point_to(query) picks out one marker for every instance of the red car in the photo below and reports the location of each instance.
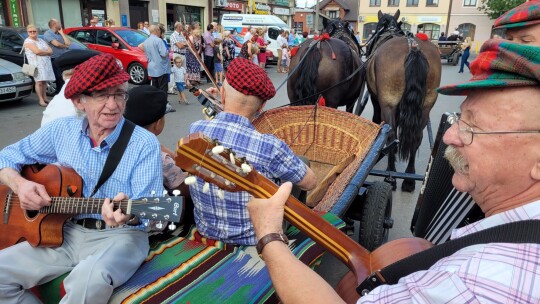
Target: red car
(121, 42)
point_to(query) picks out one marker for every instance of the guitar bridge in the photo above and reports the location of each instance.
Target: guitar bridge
(7, 207)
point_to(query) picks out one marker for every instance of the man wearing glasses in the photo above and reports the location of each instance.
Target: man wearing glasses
(102, 251)
(494, 148)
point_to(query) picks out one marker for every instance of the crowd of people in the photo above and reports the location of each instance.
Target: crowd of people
(493, 148)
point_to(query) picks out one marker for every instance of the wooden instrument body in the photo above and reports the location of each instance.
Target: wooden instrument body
(44, 230)
(195, 155)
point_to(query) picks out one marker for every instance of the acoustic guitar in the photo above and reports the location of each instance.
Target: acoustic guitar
(206, 158)
(43, 227)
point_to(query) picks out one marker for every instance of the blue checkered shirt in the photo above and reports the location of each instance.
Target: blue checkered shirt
(228, 220)
(67, 142)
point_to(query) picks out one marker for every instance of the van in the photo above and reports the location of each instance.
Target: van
(240, 23)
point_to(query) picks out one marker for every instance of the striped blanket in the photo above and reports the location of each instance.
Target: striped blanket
(184, 270)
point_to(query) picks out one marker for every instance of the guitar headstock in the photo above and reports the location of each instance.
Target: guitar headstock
(206, 158)
(170, 209)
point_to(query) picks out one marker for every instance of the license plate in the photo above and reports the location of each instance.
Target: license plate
(8, 90)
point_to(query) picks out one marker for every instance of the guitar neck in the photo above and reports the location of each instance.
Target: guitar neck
(78, 205)
(349, 252)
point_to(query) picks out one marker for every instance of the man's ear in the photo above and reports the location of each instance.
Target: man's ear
(535, 172)
(78, 103)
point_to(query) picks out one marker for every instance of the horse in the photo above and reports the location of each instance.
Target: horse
(331, 66)
(403, 73)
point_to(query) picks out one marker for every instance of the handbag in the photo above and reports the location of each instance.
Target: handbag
(27, 68)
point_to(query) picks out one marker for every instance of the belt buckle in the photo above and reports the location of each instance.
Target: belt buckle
(98, 224)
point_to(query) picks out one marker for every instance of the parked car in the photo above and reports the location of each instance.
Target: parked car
(14, 85)
(121, 42)
(11, 43)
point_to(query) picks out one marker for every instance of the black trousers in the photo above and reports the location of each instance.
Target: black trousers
(209, 63)
(161, 82)
(58, 77)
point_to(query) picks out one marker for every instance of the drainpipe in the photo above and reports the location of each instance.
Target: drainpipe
(210, 12)
(448, 18)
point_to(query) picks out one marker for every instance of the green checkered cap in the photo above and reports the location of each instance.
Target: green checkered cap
(500, 64)
(525, 14)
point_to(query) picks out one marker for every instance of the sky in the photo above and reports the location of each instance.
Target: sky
(305, 3)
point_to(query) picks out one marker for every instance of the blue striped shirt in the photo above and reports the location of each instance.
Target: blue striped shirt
(157, 55)
(66, 141)
(228, 220)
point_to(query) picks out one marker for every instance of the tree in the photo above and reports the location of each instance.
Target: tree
(495, 8)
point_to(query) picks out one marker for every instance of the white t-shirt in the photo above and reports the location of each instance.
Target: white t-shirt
(178, 73)
(58, 107)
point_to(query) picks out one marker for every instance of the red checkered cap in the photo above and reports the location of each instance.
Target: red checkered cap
(96, 74)
(250, 79)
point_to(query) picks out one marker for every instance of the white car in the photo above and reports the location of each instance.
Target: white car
(14, 85)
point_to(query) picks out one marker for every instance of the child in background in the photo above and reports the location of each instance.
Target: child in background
(218, 61)
(285, 58)
(179, 73)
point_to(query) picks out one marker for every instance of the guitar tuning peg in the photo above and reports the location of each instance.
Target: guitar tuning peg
(172, 226)
(165, 193)
(218, 149)
(190, 180)
(176, 192)
(159, 225)
(206, 187)
(246, 168)
(220, 194)
(231, 155)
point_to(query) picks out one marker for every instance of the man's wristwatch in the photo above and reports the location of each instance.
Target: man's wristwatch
(270, 238)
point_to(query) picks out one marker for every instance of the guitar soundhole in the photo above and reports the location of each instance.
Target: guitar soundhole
(30, 214)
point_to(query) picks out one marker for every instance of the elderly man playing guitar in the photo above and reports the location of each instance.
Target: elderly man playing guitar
(494, 148)
(102, 251)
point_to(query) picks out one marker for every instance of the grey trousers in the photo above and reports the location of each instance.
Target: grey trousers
(99, 261)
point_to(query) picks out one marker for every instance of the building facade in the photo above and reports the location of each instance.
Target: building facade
(129, 12)
(428, 16)
(470, 22)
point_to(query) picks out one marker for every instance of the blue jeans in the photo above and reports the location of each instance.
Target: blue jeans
(465, 59)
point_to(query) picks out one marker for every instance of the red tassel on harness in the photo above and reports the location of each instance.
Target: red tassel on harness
(321, 101)
(294, 51)
(322, 37)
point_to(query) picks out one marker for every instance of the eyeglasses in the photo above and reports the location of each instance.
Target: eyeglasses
(104, 97)
(466, 132)
(32, 31)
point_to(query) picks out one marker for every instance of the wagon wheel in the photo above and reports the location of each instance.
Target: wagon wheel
(455, 59)
(376, 221)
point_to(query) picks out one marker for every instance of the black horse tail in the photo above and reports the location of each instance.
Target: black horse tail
(306, 83)
(409, 114)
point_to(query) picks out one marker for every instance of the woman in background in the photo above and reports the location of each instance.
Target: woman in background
(193, 66)
(38, 52)
(466, 47)
(228, 50)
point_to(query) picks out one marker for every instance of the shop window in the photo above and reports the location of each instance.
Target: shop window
(467, 30)
(469, 2)
(374, 2)
(431, 30)
(332, 14)
(393, 2)
(432, 2)
(412, 2)
(369, 30)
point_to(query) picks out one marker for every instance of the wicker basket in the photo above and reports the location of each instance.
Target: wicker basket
(334, 141)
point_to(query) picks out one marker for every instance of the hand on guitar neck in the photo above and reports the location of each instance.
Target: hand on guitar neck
(114, 218)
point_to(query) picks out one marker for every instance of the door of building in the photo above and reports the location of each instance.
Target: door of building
(138, 12)
(89, 8)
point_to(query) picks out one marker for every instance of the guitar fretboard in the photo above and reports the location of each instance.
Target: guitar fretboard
(76, 205)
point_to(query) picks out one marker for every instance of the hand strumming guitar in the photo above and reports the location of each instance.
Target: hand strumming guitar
(32, 196)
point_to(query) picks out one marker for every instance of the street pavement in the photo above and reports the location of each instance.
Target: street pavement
(18, 119)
